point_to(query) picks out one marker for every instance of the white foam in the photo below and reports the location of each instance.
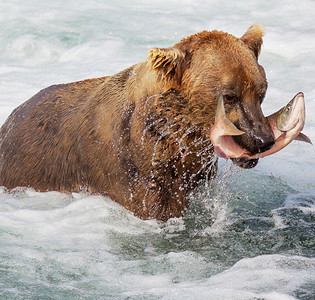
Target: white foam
(83, 246)
(269, 277)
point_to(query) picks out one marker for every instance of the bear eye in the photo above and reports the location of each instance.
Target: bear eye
(230, 98)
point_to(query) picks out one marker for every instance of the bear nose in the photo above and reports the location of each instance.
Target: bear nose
(264, 142)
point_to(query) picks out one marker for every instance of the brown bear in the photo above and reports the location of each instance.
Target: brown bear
(141, 136)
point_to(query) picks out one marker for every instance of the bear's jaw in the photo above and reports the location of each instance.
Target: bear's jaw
(245, 163)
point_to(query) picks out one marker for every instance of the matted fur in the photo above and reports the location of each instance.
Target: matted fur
(140, 136)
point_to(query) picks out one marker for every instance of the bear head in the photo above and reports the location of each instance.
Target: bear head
(210, 65)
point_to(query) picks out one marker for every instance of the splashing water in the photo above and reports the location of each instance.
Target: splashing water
(89, 246)
(247, 234)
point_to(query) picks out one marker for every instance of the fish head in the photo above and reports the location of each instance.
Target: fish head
(289, 116)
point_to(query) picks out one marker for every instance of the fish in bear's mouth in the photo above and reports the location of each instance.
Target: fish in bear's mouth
(286, 125)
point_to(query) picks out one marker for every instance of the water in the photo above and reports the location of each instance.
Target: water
(250, 235)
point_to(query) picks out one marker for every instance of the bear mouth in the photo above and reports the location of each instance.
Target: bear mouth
(291, 117)
(245, 163)
(228, 148)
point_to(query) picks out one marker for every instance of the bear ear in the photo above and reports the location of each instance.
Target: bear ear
(167, 61)
(253, 38)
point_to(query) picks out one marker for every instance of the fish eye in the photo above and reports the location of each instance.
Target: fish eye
(286, 110)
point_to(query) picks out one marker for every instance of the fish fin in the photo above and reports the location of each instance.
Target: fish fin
(303, 138)
(228, 127)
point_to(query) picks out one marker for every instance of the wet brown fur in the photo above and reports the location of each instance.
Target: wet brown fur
(140, 136)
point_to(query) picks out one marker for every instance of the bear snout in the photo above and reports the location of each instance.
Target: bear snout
(263, 143)
(255, 142)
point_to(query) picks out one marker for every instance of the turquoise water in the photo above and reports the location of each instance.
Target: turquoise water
(248, 235)
(254, 242)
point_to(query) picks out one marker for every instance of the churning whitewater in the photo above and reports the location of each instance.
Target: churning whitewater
(248, 234)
